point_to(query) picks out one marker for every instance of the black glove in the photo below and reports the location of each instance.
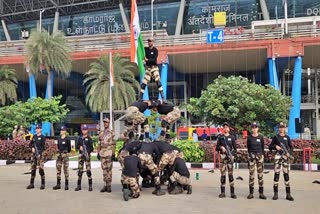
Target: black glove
(98, 156)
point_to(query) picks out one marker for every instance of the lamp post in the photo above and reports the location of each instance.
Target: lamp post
(152, 18)
(40, 23)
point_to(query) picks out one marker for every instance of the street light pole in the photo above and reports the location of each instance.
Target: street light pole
(286, 16)
(40, 23)
(151, 18)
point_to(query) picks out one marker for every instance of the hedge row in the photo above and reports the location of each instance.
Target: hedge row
(20, 150)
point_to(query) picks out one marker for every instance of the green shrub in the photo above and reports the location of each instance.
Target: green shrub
(191, 150)
(119, 146)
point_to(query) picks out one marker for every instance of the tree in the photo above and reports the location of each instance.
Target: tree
(8, 85)
(239, 102)
(33, 111)
(50, 53)
(97, 81)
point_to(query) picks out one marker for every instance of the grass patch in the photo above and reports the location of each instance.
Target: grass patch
(314, 160)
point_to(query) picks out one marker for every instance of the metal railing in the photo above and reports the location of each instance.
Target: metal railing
(122, 40)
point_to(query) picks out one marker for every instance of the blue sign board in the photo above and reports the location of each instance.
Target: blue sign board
(215, 36)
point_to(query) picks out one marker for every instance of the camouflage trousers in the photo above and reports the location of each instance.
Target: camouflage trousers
(256, 161)
(134, 115)
(176, 177)
(169, 158)
(132, 183)
(124, 153)
(281, 160)
(37, 162)
(225, 165)
(173, 115)
(106, 165)
(151, 72)
(147, 161)
(63, 159)
(81, 163)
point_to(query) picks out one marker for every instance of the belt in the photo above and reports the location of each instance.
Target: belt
(106, 146)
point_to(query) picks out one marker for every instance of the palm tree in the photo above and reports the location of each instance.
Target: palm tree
(50, 53)
(8, 85)
(97, 81)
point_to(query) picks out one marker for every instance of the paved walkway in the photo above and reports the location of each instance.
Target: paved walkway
(14, 198)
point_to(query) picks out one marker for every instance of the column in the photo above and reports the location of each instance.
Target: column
(296, 97)
(5, 30)
(264, 10)
(180, 17)
(56, 21)
(273, 75)
(124, 18)
(46, 126)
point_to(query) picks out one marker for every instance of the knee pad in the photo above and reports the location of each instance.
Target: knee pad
(41, 172)
(286, 176)
(223, 179)
(131, 135)
(230, 178)
(145, 122)
(143, 85)
(33, 172)
(276, 176)
(80, 173)
(89, 173)
(164, 124)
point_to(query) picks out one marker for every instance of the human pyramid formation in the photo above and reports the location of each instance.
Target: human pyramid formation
(159, 162)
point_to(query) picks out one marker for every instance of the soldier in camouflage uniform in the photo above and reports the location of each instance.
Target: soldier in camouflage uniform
(64, 148)
(152, 69)
(85, 147)
(135, 117)
(226, 142)
(106, 149)
(168, 153)
(37, 144)
(180, 177)
(128, 149)
(129, 181)
(170, 114)
(255, 145)
(282, 144)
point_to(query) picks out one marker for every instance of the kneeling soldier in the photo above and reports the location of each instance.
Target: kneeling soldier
(85, 146)
(131, 188)
(64, 148)
(255, 145)
(180, 177)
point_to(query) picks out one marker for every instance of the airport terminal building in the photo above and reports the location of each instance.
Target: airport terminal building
(260, 43)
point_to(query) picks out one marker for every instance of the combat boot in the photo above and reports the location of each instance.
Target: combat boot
(58, 186)
(275, 196)
(104, 189)
(289, 197)
(158, 191)
(90, 184)
(174, 189)
(188, 188)
(78, 188)
(108, 189)
(66, 186)
(222, 194)
(180, 188)
(126, 192)
(261, 195)
(232, 192)
(250, 196)
(42, 183)
(31, 185)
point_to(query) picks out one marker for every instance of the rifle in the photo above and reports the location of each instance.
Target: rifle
(229, 154)
(85, 151)
(285, 150)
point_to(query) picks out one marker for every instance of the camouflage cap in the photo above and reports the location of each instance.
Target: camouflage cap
(106, 120)
(282, 125)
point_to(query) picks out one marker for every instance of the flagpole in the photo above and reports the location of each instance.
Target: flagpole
(286, 16)
(151, 18)
(110, 92)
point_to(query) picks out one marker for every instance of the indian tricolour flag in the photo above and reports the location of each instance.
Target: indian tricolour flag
(137, 46)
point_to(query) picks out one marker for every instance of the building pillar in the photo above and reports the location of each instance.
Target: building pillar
(296, 97)
(317, 120)
(180, 17)
(124, 18)
(264, 10)
(56, 21)
(273, 76)
(5, 30)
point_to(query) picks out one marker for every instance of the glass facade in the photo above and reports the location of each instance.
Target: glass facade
(198, 16)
